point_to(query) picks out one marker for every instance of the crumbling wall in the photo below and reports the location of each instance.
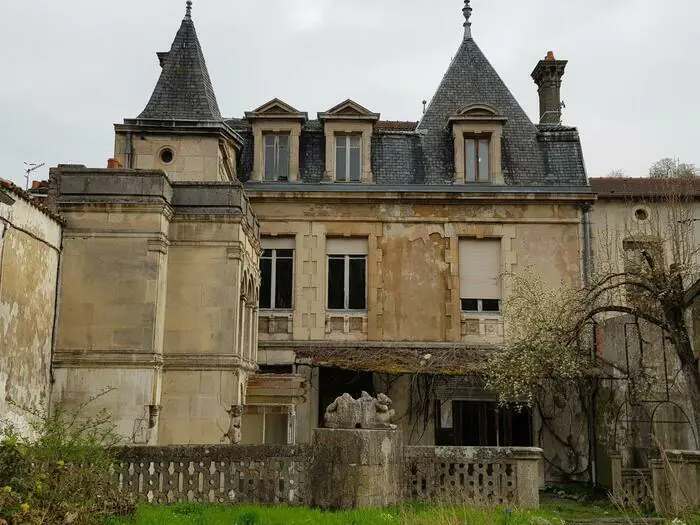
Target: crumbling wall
(30, 242)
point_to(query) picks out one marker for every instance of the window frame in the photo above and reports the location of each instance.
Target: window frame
(276, 157)
(346, 281)
(477, 139)
(273, 277)
(348, 149)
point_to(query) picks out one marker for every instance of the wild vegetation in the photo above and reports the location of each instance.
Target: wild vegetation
(62, 473)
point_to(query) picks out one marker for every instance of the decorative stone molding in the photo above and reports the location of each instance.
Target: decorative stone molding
(365, 412)
(106, 359)
(347, 326)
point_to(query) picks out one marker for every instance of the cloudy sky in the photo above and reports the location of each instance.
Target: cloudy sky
(73, 68)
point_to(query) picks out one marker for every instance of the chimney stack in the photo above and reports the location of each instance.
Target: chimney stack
(547, 75)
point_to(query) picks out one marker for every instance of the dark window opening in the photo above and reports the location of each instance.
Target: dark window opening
(167, 156)
(334, 382)
(347, 282)
(481, 305)
(275, 369)
(482, 424)
(277, 279)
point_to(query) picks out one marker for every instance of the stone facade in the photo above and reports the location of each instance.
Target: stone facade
(159, 301)
(30, 244)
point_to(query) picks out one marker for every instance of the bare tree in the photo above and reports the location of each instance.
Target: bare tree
(643, 266)
(668, 168)
(617, 173)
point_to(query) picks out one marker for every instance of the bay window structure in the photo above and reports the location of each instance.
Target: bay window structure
(480, 275)
(277, 156)
(477, 158)
(277, 274)
(347, 274)
(348, 153)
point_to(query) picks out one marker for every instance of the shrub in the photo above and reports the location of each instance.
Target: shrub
(63, 474)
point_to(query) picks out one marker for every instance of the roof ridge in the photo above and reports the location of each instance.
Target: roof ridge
(184, 89)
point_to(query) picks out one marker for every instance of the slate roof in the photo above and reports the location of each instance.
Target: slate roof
(531, 155)
(403, 153)
(184, 90)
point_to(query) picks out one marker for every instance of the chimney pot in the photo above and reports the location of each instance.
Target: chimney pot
(550, 56)
(113, 164)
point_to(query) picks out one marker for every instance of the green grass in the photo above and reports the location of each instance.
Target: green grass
(197, 514)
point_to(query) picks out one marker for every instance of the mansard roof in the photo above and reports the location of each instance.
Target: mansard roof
(184, 90)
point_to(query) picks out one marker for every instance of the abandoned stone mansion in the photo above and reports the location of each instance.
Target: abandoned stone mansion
(225, 279)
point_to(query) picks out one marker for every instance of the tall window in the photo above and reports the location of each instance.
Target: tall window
(347, 158)
(479, 275)
(276, 156)
(347, 274)
(277, 274)
(477, 158)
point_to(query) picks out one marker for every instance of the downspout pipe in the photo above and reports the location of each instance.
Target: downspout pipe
(592, 416)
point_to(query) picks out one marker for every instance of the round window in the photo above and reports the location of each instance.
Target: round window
(641, 214)
(166, 156)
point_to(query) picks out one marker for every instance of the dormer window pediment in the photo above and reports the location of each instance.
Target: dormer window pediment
(348, 110)
(478, 113)
(276, 109)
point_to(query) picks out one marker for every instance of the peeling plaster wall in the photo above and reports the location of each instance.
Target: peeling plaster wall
(28, 270)
(413, 273)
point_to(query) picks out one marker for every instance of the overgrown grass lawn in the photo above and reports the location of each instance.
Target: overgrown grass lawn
(196, 514)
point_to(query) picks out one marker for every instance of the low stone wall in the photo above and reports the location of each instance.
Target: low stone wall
(261, 474)
(474, 475)
(671, 486)
(304, 475)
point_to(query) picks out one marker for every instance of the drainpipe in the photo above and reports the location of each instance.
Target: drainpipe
(129, 151)
(587, 260)
(57, 305)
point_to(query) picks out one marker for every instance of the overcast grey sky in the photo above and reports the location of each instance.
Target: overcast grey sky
(73, 68)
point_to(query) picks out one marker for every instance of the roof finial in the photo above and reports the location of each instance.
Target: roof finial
(467, 11)
(188, 13)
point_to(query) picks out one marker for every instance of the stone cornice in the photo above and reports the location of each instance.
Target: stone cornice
(105, 359)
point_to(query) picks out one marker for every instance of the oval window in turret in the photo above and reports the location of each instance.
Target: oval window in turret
(166, 155)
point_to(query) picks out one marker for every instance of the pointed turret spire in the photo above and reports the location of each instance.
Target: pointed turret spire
(184, 90)
(467, 12)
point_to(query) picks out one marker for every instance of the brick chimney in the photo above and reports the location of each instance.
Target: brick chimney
(547, 75)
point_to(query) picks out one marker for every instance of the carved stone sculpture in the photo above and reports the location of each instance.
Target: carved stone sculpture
(366, 412)
(234, 431)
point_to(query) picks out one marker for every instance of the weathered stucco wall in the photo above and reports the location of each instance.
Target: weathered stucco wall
(30, 242)
(413, 281)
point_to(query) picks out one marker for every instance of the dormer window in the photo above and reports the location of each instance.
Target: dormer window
(348, 128)
(277, 156)
(348, 158)
(477, 130)
(276, 134)
(477, 158)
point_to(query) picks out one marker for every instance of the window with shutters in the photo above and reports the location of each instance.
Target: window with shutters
(277, 274)
(347, 274)
(348, 153)
(480, 275)
(477, 158)
(276, 156)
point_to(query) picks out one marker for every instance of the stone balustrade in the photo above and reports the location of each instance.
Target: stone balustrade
(473, 475)
(283, 474)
